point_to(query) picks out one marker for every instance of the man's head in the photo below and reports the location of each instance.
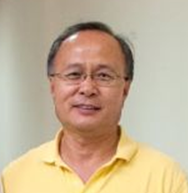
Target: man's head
(128, 55)
(89, 78)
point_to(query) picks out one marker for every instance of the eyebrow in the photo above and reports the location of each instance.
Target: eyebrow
(73, 65)
(105, 67)
(99, 66)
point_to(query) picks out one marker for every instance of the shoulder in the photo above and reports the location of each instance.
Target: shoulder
(160, 169)
(151, 156)
(30, 158)
(154, 156)
(146, 159)
(157, 162)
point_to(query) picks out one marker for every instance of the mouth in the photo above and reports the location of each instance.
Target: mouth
(87, 107)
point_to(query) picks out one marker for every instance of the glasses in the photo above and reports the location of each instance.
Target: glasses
(103, 79)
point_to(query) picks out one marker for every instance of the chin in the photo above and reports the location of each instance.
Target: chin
(85, 125)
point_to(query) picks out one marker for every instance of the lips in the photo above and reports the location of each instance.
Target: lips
(87, 107)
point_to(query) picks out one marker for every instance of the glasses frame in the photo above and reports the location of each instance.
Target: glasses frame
(84, 76)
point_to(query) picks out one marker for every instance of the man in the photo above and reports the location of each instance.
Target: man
(90, 71)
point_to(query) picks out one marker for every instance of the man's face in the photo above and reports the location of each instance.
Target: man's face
(87, 105)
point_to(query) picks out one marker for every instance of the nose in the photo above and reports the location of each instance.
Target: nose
(88, 87)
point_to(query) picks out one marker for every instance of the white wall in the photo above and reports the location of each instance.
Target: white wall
(157, 109)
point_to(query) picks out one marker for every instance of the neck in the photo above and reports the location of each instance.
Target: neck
(85, 154)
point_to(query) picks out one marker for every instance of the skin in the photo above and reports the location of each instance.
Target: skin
(89, 113)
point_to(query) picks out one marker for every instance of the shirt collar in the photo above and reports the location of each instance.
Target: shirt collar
(51, 153)
(126, 149)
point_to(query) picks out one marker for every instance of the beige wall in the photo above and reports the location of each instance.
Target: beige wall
(156, 111)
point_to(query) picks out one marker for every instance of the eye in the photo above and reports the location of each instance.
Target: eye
(104, 76)
(75, 75)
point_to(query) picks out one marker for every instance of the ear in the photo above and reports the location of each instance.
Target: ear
(52, 86)
(126, 88)
(126, 91)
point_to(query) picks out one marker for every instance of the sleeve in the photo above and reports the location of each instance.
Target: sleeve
(1, 186)
(181, 182)
(184, 185)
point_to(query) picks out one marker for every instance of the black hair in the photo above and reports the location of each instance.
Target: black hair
(99, 26)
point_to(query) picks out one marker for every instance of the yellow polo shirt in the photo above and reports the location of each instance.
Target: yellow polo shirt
(135, 168)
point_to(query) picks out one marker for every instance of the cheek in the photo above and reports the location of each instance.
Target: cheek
(114, 100)
(62, 94)
(119, 93)
(113, 107)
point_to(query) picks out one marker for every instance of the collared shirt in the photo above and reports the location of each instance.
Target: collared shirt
(135, 168)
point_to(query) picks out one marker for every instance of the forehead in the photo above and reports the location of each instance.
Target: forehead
(92, 35)
(92, 38)
(90, 46)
